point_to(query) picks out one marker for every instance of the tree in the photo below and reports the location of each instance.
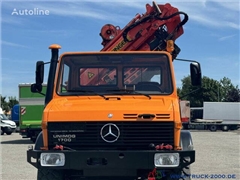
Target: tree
(8, 105)
(12, 101)
(211, 91)
(185, 93)
(230, 93)
(233, 95)
(4, 104)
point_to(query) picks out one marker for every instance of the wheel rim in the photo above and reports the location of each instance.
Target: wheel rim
(213, 128)
(225, 128)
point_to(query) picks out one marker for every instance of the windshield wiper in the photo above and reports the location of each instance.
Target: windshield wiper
(88, 92)
(130, 92)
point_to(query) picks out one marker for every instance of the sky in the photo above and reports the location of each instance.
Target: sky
(211, 35)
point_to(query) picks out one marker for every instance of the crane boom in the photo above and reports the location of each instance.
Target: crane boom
(155, 30)
(146, 32)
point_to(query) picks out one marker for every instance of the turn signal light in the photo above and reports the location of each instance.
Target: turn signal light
(170, 46)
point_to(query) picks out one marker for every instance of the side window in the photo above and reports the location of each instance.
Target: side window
(65, 78)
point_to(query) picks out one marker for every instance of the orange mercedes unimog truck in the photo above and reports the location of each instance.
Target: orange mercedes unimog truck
(115, 114)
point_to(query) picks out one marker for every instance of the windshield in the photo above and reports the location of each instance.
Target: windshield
(3, 117)
(114, 74)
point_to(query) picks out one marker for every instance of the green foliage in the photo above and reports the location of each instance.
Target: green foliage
(185, 93)
(12, 101)
(227, 89)
(233, 95)
(7, 105)
(211, 91)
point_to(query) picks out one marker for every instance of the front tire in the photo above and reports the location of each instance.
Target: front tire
(186, 173)
(50, 174)
(186, 144)
(33, 139)
(185, 126)
(8, 133)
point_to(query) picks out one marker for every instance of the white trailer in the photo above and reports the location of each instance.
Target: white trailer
(216, 116)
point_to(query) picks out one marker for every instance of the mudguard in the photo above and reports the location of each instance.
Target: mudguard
(39, 142)
(185, 139)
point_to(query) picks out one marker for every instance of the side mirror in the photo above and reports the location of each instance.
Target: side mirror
(36, 88)
(196, 74)
(39, 72)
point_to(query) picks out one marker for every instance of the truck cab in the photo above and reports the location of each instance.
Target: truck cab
(112, 113)
(115, 114)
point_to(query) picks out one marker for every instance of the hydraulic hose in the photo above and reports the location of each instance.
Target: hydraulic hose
(125, 32)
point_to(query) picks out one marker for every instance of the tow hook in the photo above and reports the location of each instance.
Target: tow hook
(152, 175)
(162, 146)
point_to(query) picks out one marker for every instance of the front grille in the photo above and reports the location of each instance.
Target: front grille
(87, 135)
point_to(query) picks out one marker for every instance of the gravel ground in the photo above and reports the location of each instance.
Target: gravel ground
(217, 155)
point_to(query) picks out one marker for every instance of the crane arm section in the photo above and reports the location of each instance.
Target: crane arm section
(147, 32)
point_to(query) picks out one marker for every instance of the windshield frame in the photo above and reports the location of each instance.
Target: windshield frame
(124, 65)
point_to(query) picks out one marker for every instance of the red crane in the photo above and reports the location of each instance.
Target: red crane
(155, 30)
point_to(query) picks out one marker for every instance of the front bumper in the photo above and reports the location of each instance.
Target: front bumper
(110, 163)
(9, 129)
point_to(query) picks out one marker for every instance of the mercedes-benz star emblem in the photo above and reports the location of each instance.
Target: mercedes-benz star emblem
(110, 132)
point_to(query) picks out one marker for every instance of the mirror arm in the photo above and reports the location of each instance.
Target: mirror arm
(180, 97)
(41, 93)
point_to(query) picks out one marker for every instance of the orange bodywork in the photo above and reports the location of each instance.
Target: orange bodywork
(156, 30)
(96, 108)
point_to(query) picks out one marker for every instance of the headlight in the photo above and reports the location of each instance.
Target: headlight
(52, 159)
(166, 159)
